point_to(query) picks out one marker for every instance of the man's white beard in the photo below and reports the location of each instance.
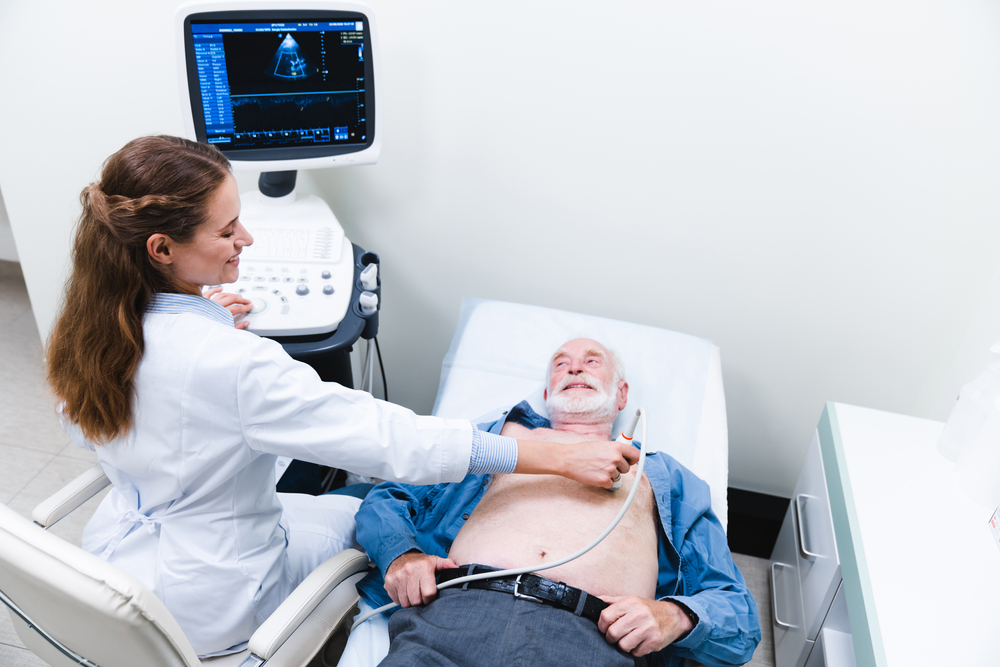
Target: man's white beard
(591, 406)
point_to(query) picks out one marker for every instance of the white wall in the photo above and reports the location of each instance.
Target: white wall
(811, 187)
(8, 250)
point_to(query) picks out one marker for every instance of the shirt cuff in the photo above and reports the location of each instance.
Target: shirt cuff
(699, 633)
(492, 454)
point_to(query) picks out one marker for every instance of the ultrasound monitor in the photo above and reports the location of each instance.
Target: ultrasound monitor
(278, 86)
(281, 86)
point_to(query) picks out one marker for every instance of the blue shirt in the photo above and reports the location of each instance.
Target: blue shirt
(695, 566)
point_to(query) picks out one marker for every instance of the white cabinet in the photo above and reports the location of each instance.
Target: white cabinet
(898, 510)
(805, 572)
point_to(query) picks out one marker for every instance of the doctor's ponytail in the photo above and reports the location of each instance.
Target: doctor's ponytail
(154, 185)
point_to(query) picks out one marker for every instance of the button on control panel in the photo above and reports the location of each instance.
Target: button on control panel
(295, 299)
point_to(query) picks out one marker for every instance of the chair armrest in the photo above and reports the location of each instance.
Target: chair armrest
(71, 496)
(318, 632)
(306, 599)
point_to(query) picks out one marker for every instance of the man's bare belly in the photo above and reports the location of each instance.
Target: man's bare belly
(528, 519)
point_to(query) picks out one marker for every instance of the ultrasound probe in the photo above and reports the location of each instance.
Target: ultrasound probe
(630, 429)
(626, 437)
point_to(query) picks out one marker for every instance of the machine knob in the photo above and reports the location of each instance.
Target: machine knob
(302, 290)
(259, 306)
(325, 275)
(327, 289)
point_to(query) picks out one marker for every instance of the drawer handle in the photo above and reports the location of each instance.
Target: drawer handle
(802, 536)
(774, 596)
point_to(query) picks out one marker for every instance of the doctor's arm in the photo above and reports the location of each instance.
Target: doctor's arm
(286, 409)
(234, 303)
(591, 463)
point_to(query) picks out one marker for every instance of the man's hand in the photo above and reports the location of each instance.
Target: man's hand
(409, 581)
(598, 463)
(640, 626)
(234, 303)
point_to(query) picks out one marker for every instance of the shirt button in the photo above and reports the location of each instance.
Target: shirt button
(465, 517)
(504, 412)
(486, 482)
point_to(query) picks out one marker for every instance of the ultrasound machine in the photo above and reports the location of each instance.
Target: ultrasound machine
(277, 87)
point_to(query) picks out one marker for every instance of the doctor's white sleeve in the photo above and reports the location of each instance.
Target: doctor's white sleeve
(285, 409)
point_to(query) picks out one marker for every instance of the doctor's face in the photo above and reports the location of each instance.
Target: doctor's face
(212, 256)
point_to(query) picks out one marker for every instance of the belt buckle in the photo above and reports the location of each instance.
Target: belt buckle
(523, 596)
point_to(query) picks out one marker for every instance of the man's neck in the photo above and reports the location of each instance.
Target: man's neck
(597, 430)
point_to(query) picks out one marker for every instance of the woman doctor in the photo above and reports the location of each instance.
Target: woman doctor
(187, 412)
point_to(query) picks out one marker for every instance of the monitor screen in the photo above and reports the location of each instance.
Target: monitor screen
(281, 85)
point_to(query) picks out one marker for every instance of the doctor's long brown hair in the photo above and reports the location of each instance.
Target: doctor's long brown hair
(152, 185)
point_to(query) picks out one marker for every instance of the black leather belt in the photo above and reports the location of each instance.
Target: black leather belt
(532, 587)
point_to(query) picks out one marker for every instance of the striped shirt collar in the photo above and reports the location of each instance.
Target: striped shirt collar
(176, 304)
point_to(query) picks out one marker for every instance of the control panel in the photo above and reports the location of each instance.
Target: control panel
(296, 298)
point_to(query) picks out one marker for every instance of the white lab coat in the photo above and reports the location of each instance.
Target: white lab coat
(194, 514)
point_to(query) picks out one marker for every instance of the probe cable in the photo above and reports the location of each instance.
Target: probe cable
(385, 387)
(562, 561)
(367, 371)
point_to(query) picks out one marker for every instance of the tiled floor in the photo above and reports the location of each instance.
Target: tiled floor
(37, 458)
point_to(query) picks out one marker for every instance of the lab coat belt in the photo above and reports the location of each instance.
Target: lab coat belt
(125, 524)
(532, 587)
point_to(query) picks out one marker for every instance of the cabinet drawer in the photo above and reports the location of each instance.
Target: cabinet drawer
(832, 649)
(815, 545)
(834, 645)
(790, 643)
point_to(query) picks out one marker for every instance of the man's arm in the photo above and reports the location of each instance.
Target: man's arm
(718, 625)
(710, 615)
(405, 520)
(728, 628)
(640, 626)
(712, 588)
(410, 579)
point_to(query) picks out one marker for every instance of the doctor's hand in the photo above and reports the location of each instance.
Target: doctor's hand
(640, 626)
(409, 581)
(594, 463)
(234, 303)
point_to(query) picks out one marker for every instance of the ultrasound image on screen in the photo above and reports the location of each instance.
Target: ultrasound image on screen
(289, 62)
(309, 114)
(302, 86)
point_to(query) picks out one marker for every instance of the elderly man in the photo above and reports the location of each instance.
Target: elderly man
(660, 588)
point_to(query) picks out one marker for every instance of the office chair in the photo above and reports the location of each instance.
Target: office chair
(71, 608)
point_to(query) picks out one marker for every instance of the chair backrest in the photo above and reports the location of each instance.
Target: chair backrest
(87, 604)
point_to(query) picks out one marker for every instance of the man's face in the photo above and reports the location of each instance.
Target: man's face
(582, 382)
